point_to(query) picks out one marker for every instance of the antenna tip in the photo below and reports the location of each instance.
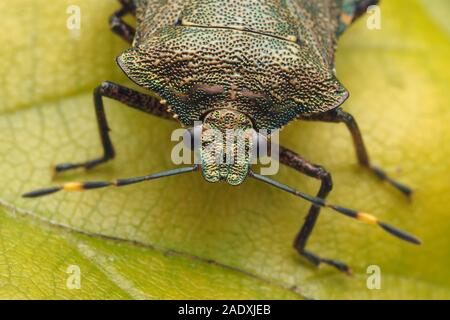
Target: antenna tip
(41, 192)
(400, 234)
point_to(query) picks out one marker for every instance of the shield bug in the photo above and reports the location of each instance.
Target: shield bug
(243, 65)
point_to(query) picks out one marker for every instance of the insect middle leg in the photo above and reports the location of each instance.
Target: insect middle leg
(129, 4)
(120, 27)
(340, 116)
(128, 97)
(293, 160)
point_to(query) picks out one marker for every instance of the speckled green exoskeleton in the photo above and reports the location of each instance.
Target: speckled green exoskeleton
(244, 65)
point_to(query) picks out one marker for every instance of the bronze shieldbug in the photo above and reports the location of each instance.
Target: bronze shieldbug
(242, 65)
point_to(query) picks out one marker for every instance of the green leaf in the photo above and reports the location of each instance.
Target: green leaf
(183, 238)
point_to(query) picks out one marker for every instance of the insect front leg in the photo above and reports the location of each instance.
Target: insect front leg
(340, 116)
(128, 97)
(293, 160)
(130, 5)
(120, 27)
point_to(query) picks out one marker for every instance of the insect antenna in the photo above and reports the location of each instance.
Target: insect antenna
(361, 216)
(80, 186)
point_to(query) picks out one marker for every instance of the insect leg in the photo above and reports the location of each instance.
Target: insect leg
(293, 160)
(120, 27)
(128, 97)
(340, 116)
(129, 5)
(357, 215)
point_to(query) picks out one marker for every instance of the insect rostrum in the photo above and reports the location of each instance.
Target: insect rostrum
(244, 65)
